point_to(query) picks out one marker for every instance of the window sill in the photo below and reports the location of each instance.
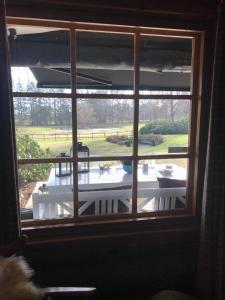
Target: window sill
(182, 227)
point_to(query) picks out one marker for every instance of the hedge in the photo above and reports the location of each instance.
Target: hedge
(164, 127)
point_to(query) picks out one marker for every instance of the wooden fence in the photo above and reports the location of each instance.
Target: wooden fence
(67, 136)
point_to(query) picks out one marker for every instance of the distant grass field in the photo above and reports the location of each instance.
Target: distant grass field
(39, 130)
(97, 145)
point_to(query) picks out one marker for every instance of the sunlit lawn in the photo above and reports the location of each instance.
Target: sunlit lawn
(168, 140)
(32, 130)
(56, 146)
(45, 130)
(99, 146)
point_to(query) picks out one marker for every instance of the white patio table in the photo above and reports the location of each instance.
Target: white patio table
(103, 189)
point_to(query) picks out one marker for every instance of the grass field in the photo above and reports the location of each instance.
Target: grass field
(38, 130)
(97, 145)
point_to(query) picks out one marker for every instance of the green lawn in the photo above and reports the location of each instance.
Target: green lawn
(168, 140)
(56, 146)
(32, 130)
(98, 145)
(45, 130)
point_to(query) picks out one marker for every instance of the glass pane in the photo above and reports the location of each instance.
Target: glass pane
(45, 193)
(105, 126)
(106, 188)
(165, 64)
(105, 63)
(164, 126)
(43, 127)
(162, 184)
(40, 59)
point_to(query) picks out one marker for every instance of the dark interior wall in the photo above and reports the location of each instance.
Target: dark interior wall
(128, 264)
(119, 266)
(127, 12)
(186, 7)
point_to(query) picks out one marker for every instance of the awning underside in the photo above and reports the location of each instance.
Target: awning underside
(104, 61)
(111, 79)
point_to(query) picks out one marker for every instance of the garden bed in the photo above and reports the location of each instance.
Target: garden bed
(145, 139)
(25, 192)
(122, 140)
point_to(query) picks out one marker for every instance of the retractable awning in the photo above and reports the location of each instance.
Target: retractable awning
(110, 79)
(104, 61)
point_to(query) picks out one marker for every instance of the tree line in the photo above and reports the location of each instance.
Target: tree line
(91, 112)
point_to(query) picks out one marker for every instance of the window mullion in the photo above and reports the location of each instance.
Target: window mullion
(136, 120)
(74, 119)
(194, 128)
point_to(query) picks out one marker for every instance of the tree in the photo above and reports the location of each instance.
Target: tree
(85, 114)
(63, 113)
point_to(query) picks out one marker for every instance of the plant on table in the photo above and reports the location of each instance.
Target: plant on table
(127, 166)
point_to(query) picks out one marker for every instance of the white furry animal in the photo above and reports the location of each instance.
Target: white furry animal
(15, 281)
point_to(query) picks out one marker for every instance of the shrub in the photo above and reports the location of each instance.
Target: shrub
(122, 140)
(165, 127)
(28, 148)
(150, 139)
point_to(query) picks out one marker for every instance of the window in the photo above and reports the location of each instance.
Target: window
(105, 120)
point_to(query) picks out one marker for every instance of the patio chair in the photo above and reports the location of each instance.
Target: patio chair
(162, 199)
(108, 201)
(165, 182)
(15, 248)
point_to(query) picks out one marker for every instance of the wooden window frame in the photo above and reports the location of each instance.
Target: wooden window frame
(190, 211)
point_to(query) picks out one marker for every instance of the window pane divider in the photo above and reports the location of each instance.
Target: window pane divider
(41, 95)
(44, 160)
(166, 97)
(74, 119)
(101, 158)
(101, 96)
(177, 33)
(104, 158)
(164, 156)
(136, 120)
(194, 121)
(104, 96)
(132, 96)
